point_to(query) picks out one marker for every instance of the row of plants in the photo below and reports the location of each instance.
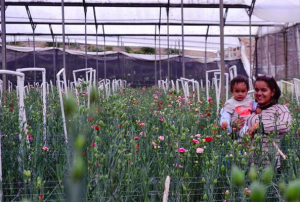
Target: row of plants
(123, 148)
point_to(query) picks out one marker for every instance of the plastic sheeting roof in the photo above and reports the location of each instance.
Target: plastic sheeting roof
(75, 14)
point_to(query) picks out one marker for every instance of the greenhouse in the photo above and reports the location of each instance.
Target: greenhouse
(150, 100)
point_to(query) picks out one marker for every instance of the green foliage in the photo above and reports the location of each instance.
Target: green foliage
(172, 51)
(128, 49)
(92, 48)
(109, 48)
(148, 50)
(138, 52)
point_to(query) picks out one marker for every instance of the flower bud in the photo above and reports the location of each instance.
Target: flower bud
(257, 192)
(237, 176)
(293, 191)
(252, 173)
(267, 175)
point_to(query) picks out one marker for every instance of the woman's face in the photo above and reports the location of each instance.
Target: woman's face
(263, 93)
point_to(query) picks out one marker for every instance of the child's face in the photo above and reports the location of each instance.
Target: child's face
(239, 91)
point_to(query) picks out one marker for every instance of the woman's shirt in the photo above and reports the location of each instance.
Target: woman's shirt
(277, 112)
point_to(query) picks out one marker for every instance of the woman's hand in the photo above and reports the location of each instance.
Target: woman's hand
(239, 123)
(252, 130)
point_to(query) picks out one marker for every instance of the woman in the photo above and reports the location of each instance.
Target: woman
(267, 94)
(274, 116)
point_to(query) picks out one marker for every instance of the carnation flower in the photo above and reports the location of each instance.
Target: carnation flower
(199, 150)
(195, 141)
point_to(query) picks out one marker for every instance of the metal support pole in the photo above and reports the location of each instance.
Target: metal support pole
(155, 63)
(97, 55)
(63, 37)
(182, 35)
(168, 32)
(250, 38)
(85, 37)
(159, 44)
(54, 62)
(222, 62)
(256, 56)
(285, 55)
(34, 64)
(3, 34)
(104, 52)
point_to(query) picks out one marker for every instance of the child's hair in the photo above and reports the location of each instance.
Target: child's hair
(238, 79)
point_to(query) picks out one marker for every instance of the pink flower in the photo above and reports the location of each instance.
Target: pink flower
(142, 133)
(155, 96)
(177, 165)
(227, 192)
(154, 145)
(136, 138)
(247, 191)
(30, 137)
(142, 124)
(93, 144)
(197, 135)
(45, 148)
(161, 119)
(161, 137)
(199, 150)
(181, 150)
(169, 106)
(195, 141)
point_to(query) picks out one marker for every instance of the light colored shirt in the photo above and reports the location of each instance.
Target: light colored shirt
(238, 108)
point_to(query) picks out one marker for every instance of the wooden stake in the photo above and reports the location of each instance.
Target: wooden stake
(279, 151)
(167, 186)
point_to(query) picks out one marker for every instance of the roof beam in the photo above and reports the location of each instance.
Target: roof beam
(99, 4)
(33, 25)
(145, 23)
(225, 15)
(95, 18)
(51, 30)
(137, 35)
(250, 10)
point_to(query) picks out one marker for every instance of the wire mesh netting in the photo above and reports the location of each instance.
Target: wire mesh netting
(279, 54)
(118, 66)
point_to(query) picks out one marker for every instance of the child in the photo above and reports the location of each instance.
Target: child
(240, 105)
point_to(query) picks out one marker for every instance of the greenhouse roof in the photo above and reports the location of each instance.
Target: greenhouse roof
(137, 22)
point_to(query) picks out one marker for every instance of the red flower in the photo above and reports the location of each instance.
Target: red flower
(93, 144)
(208, 114)
(120, 126)
(41, 197)
(30, 137)
(97, 127)
(209, 139)
(296, 109)
(137, 146)
(136, 138)
(84, 154)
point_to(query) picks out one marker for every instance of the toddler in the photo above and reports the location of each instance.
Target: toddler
(240, 105)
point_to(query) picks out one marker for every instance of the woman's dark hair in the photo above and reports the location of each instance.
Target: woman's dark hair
(272, 84)
(238, 79)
